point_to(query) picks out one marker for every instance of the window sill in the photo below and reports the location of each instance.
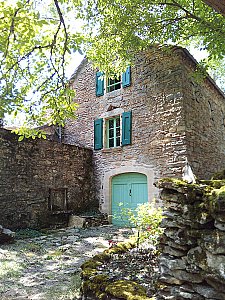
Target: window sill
(113, 149)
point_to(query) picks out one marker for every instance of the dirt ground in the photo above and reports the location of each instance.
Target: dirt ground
(47, 267)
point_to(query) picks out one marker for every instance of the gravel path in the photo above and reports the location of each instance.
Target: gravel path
(47, 267)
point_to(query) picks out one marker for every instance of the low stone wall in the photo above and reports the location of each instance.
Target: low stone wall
(42, 182)
(192, 263)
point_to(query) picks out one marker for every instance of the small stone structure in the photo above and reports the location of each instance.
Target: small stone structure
(84, 221)
(42, 182)
(192, 263)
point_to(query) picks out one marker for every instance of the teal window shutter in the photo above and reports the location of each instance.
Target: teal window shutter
(126, 128)
(98, 134)
(126, 78)
(99, 84)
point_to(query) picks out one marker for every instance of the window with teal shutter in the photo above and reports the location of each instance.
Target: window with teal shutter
(98, 134)
(126, 78)
(126, 128)
(99, 84)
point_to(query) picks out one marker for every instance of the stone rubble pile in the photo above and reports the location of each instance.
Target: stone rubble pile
(6, 235)
(192, 263)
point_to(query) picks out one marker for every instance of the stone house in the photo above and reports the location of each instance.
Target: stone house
(143, 125)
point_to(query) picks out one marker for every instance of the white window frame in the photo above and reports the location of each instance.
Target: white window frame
(107, 138)
(108, 86)
(117, 112)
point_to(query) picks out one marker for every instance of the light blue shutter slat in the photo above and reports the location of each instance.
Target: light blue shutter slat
(99, 84)
(98, 134)
(126, 128)
(126, 78)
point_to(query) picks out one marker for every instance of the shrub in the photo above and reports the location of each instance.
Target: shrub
(146, 218)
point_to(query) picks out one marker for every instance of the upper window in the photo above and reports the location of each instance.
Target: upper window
(112, 83)
(113, 132)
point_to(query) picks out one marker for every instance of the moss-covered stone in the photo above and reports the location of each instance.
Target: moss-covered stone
(100, 278)
(211, 194)
(120, 248)
(88, 272)
(101, 257)
(98, 285)
(216, 184)
(126, 289)
(92, 263)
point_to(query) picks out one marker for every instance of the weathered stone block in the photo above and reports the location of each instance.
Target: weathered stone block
(208, 292)
(216, 263)
(213, 241)
(215, 281)
(197, 256)
(172, 263)
(187, 277)
(76, 221)
(219, 225)
(170, 280)
(174, 252)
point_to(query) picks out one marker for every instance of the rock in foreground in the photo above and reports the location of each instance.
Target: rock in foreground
(6, 235)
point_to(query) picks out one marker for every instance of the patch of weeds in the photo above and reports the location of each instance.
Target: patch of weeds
(27, 233)
(10, 269)
(76, 283)
(33, 247)
(62, 293)
(54, 254)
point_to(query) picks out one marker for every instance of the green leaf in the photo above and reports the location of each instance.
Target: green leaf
(21, 137)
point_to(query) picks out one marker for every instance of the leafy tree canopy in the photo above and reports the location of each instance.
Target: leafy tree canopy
(38, 38)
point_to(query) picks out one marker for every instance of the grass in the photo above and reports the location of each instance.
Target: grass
(10, 269)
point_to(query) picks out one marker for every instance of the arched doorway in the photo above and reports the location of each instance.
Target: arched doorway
(128, 191)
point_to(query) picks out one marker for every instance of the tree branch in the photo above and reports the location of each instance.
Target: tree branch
(66, 35)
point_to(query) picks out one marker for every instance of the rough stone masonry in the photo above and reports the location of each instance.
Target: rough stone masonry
(192, 263)
(42, 182)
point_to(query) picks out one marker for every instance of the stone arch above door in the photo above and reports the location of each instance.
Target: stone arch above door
(107, 184)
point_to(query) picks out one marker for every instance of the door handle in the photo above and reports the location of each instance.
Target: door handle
(130, 193)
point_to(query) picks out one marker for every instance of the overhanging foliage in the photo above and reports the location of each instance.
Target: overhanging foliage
(37, 38)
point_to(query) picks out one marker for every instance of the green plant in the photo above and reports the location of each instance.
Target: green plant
(10, 269)
(146, 218)
(33, 247)
(27, 233)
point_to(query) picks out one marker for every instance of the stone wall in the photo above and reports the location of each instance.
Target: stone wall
(192, 263)
(204, 109)
(42, 182)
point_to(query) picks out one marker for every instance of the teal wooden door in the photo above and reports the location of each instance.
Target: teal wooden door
(128, 191)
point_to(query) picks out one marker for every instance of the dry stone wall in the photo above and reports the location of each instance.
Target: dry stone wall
(192, 263)
(42, 181)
